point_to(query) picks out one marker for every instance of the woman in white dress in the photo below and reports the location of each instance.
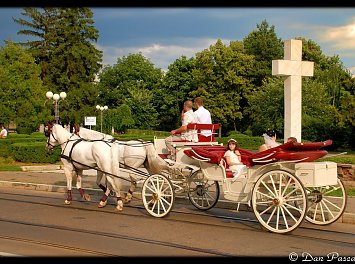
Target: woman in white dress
(270, 140)
(233, 158)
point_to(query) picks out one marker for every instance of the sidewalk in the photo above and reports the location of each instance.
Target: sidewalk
(52, 178)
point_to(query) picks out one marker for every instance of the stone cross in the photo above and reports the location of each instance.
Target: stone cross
(293, 68)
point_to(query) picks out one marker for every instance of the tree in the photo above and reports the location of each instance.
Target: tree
(21, 89)
(133, 81)
(265, 46)
(177, 83)
(267, 109)
(221, 75)
(119, 118)
(64, 50)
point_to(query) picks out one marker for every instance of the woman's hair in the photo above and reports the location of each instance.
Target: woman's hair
(270, 132)
(232, 140)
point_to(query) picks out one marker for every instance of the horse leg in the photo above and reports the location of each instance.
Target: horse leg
(103, 200)
(83, 195)
(69, 175)
(99, 176)
(116, 186)
(131, 189)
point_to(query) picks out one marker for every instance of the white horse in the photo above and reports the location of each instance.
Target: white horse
(126, 154)
(92, 135)
(78, 155)
(133, 155)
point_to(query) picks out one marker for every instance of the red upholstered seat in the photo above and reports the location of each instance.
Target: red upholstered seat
(199, 127)
(215, 155)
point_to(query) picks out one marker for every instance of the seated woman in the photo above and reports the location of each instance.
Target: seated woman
(233, 158)
(270, 140)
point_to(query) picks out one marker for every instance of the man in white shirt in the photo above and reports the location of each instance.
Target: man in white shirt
(3, 133)
(182, 133)
(203, 116)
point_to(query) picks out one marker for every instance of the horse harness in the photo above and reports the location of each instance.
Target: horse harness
(77, 141)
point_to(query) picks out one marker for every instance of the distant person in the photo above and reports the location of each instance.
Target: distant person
(234, 158)
(203, 116)
(292, 139)
(3, 133)
(182, 133)
(270, 140)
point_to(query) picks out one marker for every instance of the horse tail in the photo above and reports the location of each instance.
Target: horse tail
(115, 159)
(156, 164)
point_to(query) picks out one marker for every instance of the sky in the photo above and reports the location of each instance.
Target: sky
(164, 34)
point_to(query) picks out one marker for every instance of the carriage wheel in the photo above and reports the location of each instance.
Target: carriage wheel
(158, 195)
(326, 204)
(203, 194)
(273, 201)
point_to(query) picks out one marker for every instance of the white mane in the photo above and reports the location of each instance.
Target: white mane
(89, 134)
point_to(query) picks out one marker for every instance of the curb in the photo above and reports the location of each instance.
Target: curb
(41, 168)
(346, 218)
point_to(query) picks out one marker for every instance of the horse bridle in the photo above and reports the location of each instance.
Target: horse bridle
(48, 133)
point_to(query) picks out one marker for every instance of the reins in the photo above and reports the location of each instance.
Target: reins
(95, 168)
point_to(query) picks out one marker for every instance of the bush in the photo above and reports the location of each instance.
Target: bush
(24, 130)
(34, 152)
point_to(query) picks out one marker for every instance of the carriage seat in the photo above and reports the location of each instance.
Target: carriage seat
(201, 138)
(291, 151)
(215, 155)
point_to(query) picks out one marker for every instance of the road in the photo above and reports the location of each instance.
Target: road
(38, 224)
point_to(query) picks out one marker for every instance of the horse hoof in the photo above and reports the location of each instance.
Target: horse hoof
(119, 206)
(102, 204)
(128, 198)
(87, 197)
(67, 202)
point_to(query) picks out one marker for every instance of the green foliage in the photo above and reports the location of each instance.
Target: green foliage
(264, 44)
(34, 152)
(234, 79)
(221, 77)
(10, 168)
(176, 87)
(119, 118)
(133, 81)
(21, 89)
(341, 159)
(269, 113)
(66, 54)
(244, 141)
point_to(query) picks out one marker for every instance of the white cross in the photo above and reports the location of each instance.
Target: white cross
(293, 68)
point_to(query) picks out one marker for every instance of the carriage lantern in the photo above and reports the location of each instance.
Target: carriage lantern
(56, 98)
(101, 108)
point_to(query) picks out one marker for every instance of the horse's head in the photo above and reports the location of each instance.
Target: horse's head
(50, 133)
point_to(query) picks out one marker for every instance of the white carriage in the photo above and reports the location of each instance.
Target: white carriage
(282, 185)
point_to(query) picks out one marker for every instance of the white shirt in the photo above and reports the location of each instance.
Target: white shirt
(203, 116)
(189, 134)
(3, 132)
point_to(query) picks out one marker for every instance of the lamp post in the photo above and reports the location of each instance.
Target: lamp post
(101, 108)
(56, 98)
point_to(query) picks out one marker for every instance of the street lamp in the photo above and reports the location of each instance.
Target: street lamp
(101, 108)
(56, 98)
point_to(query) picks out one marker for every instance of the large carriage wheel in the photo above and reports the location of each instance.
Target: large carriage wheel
(202, 193)
(273, 200)
(158, 195)
(326, 204)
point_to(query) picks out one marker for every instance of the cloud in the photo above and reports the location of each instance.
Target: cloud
(161, 55)
(342, 37)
